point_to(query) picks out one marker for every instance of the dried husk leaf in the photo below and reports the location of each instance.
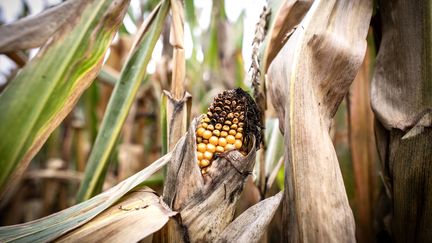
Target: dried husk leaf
(308, 79)
(133, 218)
(402, 103)
(251, 225)
(286, 17)
(206, 203)
(34, 31)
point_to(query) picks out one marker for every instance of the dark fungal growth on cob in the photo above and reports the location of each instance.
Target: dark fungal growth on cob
(231, 121)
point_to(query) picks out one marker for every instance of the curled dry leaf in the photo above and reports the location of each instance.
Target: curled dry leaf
(134, 217)
(250, 226)
(288, 15)
(307, 81)
(34, 31)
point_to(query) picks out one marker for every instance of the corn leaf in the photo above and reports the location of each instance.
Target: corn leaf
(34, 31)
(308, 79)
(252, 224)
(136, 216)
(121, 101)
(285, 17)
(55, 225)
(47, 88)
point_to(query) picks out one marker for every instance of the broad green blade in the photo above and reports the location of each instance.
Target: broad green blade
(120, 102)
(45, 91)
(55, 225)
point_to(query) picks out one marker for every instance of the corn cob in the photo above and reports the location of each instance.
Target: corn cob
(231, 120)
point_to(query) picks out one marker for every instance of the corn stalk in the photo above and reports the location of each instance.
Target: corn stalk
(178, 100)
(307, 80)
(402, 103)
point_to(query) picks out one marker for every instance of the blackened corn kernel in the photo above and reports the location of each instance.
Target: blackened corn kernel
(231, 120)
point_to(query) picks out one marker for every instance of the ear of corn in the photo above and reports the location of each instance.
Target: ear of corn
(232, 118)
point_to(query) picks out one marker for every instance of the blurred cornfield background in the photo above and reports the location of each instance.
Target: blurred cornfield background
(219, 55)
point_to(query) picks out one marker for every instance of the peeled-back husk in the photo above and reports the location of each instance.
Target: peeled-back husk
(206, 203)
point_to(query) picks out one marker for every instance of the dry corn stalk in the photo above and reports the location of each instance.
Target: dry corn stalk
(206, 203)
(307, 81)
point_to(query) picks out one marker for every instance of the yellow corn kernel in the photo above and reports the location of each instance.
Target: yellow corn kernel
(216, 133)
(204, 170)
(202, 147)
(229, 147)
(234, 126)
(241, 124)
(204, 163)
(210, 127)
(240, 129)
(238, 135)
(199, 139)
(200, 131)
(207, 134)
(224, 134)
(206, 119)
(204, 125)
(230, 139)
(199, 155)
(238, 144)
(226, 128)
(218, 126)
(222, 142)
(213, 140)
(228, 122)
(232, 132)
(235, 120)
(220, 149)
(211, 148)
(208, 155)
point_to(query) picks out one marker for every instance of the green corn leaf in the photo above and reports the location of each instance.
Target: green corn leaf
(120, 102)
(47, 88)
(58, 224)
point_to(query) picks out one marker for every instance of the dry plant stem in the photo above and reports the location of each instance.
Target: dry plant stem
(363, 150)
(402, 103)
(307, 81)
(18, 57)
(259, 88)
(206, 203)
(177, 108)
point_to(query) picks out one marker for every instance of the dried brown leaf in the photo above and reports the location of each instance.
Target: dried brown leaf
(134, 217)
(34, 31)
(286, 18)
(251, 225)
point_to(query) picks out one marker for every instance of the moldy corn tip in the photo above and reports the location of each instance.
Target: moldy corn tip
(231, 120)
